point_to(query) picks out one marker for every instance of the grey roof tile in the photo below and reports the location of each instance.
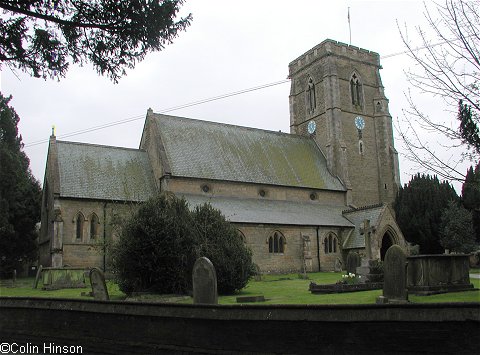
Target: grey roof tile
(103, 172)
(266, 211)
(210, 150)
(372, 213)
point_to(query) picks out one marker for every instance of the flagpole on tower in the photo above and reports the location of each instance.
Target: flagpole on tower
(349, 27)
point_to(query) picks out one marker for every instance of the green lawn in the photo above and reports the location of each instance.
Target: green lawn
(23, 288)
(277, 289)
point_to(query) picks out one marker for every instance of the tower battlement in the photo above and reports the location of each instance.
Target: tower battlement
(331, 47)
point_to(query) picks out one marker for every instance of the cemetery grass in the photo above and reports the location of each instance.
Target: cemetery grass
(23, 287)
(277, 289)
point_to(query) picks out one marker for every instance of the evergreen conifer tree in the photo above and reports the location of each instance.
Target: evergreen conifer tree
(419, 206)
(456, 230)
(20, 196)
(471, 197)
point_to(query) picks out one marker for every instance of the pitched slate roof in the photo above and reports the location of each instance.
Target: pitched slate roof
(273, 212)
(209, 150)
(357, 216)
(103, 172)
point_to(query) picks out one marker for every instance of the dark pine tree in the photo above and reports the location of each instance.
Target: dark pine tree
(20, 196)
(43, 37)
(419, 206)
(469, 126)
(471, 197)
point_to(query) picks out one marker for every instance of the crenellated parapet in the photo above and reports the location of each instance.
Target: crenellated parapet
(331, 47)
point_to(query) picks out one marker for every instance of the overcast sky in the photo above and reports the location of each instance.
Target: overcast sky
(231, 45)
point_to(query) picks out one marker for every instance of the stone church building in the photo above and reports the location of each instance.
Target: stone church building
(299, 200)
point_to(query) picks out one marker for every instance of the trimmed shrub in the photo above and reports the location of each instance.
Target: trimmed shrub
(219, 241)
(155, 250)
(159, 244)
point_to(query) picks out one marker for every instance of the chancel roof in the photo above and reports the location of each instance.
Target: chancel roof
(267, 211)
(103, 172)
(209, 150)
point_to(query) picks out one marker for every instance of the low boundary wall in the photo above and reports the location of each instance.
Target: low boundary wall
(115, 327)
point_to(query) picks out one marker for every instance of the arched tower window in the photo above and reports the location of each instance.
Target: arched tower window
(311, 97)
(79, 221)
(94, 226)
(330, 244)
(356, 90)
(276, 243)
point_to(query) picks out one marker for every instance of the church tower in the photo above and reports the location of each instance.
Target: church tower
(337, 98)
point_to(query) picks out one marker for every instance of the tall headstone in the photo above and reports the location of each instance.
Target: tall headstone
(337, 265)
(353, 261)
(367, 230)
(363, 271)
(307, 255)
(99, 287)
(204, 282)
(37, 278)
(395, 278)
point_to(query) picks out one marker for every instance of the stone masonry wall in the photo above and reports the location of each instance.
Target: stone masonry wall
(245, 190)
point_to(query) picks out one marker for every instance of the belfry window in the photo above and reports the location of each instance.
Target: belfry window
(276, 243)
(356, 90)
(311, 97)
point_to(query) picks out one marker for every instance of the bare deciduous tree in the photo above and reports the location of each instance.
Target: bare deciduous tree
(447, 66)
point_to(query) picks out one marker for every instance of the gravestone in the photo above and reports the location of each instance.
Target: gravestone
(353, 261)
(204, 282)
(337, 265)
(99, 287)
(395, 278)
(37, 278)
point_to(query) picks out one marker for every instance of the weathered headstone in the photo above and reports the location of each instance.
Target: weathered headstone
(395, 278)
(337, 265)
(366, 230)
(307, 255)
(353, 261)
(204, 282)
(37, 278)
(99, 287)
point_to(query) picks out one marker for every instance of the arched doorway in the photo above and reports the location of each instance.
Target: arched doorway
(387, 242)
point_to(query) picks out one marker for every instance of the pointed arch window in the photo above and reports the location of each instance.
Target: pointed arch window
(356, 90)
(330, 244)
(276, 243)
(94, 222)
(311, 96)
(242, 236)
(79, 221)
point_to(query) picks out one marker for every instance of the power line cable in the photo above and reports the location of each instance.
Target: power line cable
(203, 101)
(170, 109)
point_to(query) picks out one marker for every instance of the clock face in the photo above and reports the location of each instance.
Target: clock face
(359, 122)
(312, 126)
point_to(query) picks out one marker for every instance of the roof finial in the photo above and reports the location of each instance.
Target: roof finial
(53, 130)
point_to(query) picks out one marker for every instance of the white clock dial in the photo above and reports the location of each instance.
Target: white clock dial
(359, 122)
(312, 126)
